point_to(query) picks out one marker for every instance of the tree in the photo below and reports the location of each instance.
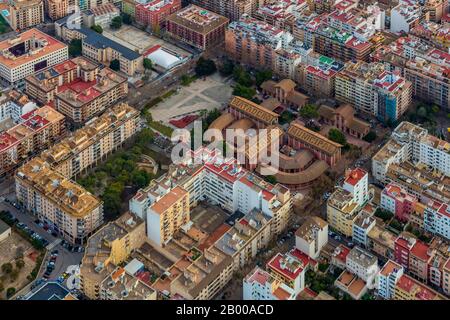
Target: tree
(271, 179)
(336, 135)
(20, 263)
(422, 112)
(116, 22)
(97, 28)
(226, 68)
(242, 77)
(243, 91)
(371, 136)
(205, 67)
(262, 76)
(115, 65)
(126, 18)
(383, 214)
(10, 292)
(309, 111)
(7, 268)
(75, 47)
(147, 63)
(14, 275)
(435, 109)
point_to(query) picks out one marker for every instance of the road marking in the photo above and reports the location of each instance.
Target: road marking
(53, 244)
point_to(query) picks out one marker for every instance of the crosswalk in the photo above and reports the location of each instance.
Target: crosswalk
(50, 246)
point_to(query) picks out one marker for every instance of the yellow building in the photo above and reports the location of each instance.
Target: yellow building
(92, 143)
(107, 248)
(167, 215)
(342, 210)
(408, 288)
(68, 208)
(26, 13)
(57, 9)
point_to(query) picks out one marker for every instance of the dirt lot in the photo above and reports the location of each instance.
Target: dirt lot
(10, 249)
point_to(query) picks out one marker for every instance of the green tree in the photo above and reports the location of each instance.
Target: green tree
(116, 22)
(7, 268)
(336, 135)
(10, 292)
(435, 109)
(126, 18)
(383, 214)
(242, 77)
(243, 91)
(422, 112)
(75, 48)
(14, 275)
(148, 63)
(371, 136)
(115, 65)
(262, 76)
(226, 68)
(309, 111)
(20, 263)
(205, 67)
(97, 28)
(270, 179)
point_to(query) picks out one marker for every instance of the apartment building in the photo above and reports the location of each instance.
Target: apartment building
(101, 15)
(94, 142)
(408, 288)
(254, 42)
(106, 249)
(373, 90)
(342, 210)
(260, 285)
(411, 143)
(37, 130)
(85, 92)
(57, 9)
(362, 225)
(65, 206)
(153, 14)
(26, 13)
(312, 236)
(197, 27)
(29, 52)
(232, 9)
(387, 279)
(434, 32)
(406, 15)
(357, 183)
(397, 201)
(364, 265)
(446, 277)
(13, 105)
(436, 219)
(382, 242)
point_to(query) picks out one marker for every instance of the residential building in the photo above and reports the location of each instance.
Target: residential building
(382, 242)
(363, 264)
(106, 249)
(13, 105)
(57, 9)
(232, 9)
(29, 52)
(260, 285)
(410, 144)
(436, 218)
(103, 50)
(49, 290)
(65, 206)
(91, 144)
(167, 215)
(339, 256)
(153, 14)
(397, 201)
(357, 183)
(342, 210)
(387, 279)
(373, 90)
(406, 15)
(361, 228)
(24, 14)
(343, 118)
(408, 288)
(197, 27)
(312, 236)
(37, 130)
(446, 277)
(80, 89)
(290, 268)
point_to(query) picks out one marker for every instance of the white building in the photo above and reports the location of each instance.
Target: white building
(101, 15)
(312, 236)
(260, 285)
(363, 264)
(14, 105)
(436, 219)
(405, 16)
(361, 227)
(387, 279)
(357, 183)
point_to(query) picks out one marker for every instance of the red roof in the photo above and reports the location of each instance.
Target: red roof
(355, 175)
(276, 262)
(420, 250)
(6, 140)
(422, 292)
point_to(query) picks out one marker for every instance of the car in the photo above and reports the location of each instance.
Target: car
(54, 234)
(41, 224)
(36, 221)
(49, 231)
(69, 247)
(55, 252)
(21, 225)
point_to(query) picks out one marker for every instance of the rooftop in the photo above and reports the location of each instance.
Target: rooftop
(310, 227)
(390, 267)
(354, 176)
(362, 257)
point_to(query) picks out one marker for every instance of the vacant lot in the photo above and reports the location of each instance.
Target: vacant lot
(11, 250)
